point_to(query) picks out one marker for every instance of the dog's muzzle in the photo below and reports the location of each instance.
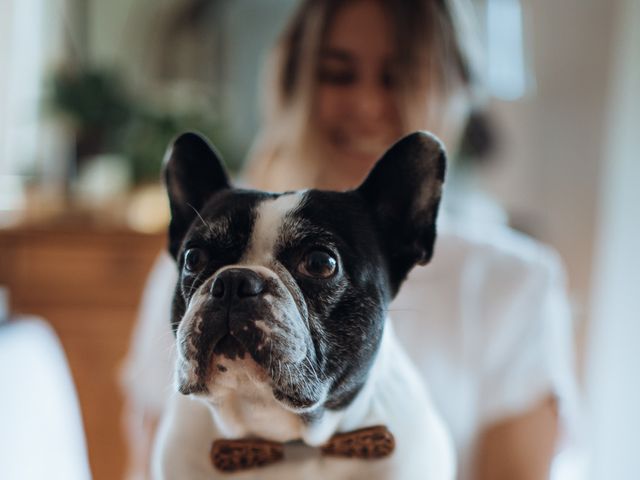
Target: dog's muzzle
(236, 302)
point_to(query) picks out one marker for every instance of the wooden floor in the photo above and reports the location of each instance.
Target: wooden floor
(87, 284)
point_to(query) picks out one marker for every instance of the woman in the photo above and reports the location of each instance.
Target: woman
(487, 321)
(343, 88)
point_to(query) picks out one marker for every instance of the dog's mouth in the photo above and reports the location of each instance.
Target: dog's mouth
(246, 346)
(229, 347)
(232, 365)
(217, 363)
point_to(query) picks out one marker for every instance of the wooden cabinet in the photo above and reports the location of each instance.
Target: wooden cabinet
(87, 283)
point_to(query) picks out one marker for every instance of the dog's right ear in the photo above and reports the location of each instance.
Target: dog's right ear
(193, 173)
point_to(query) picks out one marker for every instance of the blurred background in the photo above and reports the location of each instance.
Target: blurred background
(91, 92)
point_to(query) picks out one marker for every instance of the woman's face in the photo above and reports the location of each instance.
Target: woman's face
(356, 112)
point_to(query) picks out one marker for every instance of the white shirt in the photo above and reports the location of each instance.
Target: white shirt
(487, 323)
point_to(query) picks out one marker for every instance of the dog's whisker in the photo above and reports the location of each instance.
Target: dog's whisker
(207, 226)
(405, 310)
(270, 356)
(310, 368)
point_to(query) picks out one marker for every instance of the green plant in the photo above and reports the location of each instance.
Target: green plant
(107, 119)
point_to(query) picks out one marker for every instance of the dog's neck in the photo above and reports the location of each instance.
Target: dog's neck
(245, 408)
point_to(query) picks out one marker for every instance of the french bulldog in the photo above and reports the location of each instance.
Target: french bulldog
(281, 325)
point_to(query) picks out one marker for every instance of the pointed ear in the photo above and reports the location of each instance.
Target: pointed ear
(193, 173)
(403, 191)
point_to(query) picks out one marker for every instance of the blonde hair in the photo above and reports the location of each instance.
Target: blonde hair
(437, 74)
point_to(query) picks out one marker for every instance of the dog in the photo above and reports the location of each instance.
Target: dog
(287, 365)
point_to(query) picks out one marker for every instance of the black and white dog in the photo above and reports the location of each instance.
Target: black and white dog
(280, 317)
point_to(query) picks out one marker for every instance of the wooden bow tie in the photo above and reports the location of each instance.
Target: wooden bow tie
(366, 443)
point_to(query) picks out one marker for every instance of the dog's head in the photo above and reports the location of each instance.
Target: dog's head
(293, 286)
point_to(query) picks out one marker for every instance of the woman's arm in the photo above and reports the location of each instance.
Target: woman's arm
(140, 427)
(521, 447)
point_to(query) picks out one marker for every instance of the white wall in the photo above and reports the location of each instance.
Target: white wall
(21, 60)
(30, 42)
(613, 378)
(547, 174)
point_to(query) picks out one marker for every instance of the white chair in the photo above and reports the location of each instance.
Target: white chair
(41, 434)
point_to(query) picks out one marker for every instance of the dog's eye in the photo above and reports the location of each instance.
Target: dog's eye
(195, 259)
(318, 264)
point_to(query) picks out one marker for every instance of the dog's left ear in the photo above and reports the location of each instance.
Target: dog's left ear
(403, 191)
(193, 173)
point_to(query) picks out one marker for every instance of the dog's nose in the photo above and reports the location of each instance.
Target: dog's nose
(237, 283)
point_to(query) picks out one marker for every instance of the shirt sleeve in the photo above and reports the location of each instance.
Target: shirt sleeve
(526, 351)
(147, 372)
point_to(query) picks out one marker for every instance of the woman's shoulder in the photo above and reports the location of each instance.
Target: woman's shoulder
(493, 257)
(496, 246)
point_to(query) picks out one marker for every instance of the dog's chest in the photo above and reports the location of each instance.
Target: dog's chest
(244, 404)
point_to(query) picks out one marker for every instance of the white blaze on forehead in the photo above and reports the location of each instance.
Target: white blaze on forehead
(270, 216)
